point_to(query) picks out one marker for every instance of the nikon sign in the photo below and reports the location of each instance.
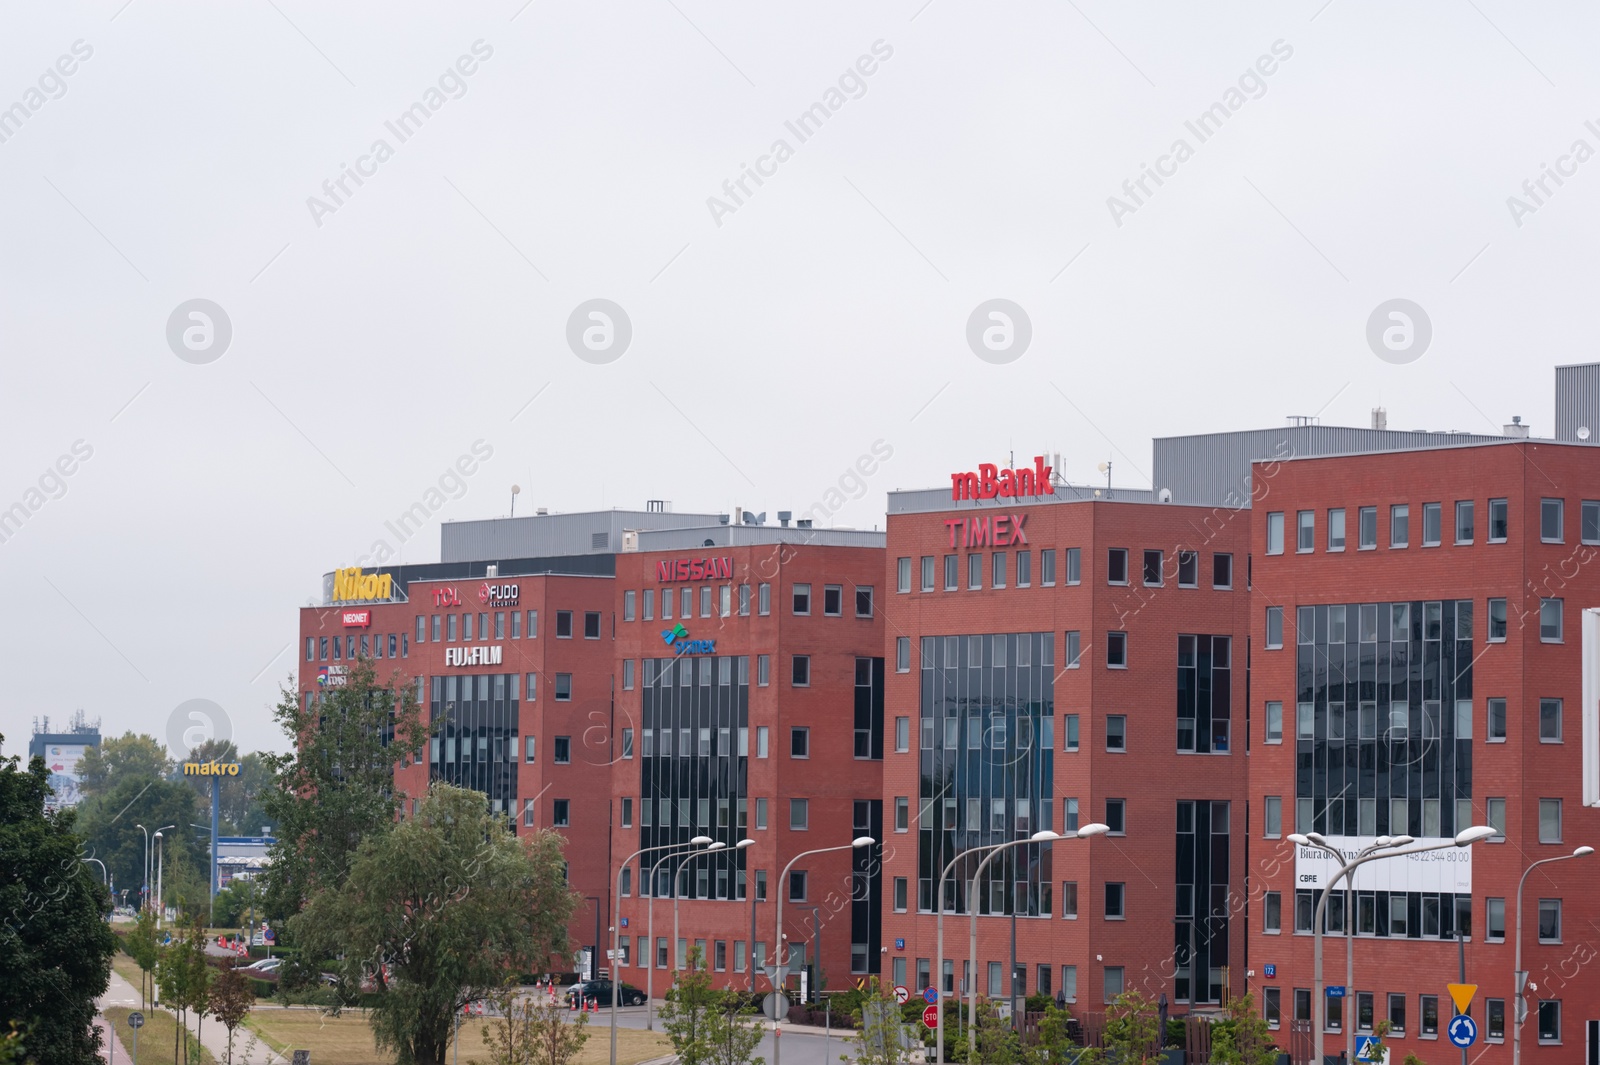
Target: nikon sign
(350, 585)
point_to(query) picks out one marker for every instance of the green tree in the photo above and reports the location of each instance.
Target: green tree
(141, 946)
(997, 1043)
(732, 1036)
(55, 944)
(1053, 1044)
(108, 822)
(231, 999)
(687, 1011)
(131, 756)
(879, 1019)
(532, 1031)
(184, 978)
(335, 787)
(1133, 1030)
(439, 911)
(1242, 1036)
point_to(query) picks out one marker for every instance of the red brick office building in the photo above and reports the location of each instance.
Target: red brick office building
(1060, 660)
(1418, 621)
(750, 686)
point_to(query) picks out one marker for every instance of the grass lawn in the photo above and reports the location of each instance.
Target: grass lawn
(157, 1039)
(347, 1040)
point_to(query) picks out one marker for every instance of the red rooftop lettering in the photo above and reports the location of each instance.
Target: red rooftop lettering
(695, 569)
(1001, 530)
(991, 482)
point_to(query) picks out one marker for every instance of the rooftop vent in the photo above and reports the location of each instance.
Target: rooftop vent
(803, 523)
(723, 519)
(1380, 418)
(784, 516)
(655, 506)
(1516, 429)
(542, 511)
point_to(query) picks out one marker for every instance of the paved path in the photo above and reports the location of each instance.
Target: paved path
(213, 1036)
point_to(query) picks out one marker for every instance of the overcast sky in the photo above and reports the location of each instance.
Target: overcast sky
(570, 151)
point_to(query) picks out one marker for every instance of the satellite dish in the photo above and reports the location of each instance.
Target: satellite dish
(1165, 495)
(1097, 493)
(709, 543)
(1583, 432)
(1103, 467)
(516, 489)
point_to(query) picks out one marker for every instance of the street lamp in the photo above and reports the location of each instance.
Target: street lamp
(677, 964)
(782, 968)
(1042, 836)
(1382, 847)
(161, 900)
(650, 970)
(1520, 978)
(616, 954)
(144, 888)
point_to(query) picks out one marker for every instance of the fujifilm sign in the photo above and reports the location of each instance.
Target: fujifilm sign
(472, 656)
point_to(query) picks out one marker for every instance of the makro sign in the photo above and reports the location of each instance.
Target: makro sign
(211, 769)
(677, 638)
(350, 585)
(998, 530)
(695, 569)
(991, 482)
(1448, 870)
(356, 618)
(472, 656)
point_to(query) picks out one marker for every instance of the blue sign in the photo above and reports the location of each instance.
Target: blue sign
(930, 995)
(677, 638)
(899, 944)
(1270, 970)
(1463, 1031)
(624, 922)
(1334, 991)
(1367, 1048)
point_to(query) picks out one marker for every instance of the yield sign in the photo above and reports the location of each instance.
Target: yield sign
(1461, 995)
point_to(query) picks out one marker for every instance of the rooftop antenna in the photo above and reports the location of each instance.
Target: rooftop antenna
(1105, 468)
(516, 490)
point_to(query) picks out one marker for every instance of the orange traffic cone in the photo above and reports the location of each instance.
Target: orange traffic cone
(574, 1007)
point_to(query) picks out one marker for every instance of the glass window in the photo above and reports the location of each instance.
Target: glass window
(1549, 920)
(1116, 810)
(1272, 912)
(863, 600)
(902, 654)
(1047, 567)
(927, 573)
(1589, 527)
(1551, 512)
(902, 734)
(902, 567)
(1305, 721)
(1114, 982)
(563, 624)
(1274, 626)
(1271, 1007)
(1368, 530)
(627, 605)
(1152, 569)
(1494, 920)
(1188, 569)
(801, 674)
(1073, 649)
(1494, 815)
(1549, 1020)
(1336, 529)
(1550, 620)
(1549, 820)
(1114, 901)
(1069, 900)
(1070, 559)
(799, 814)
(1497, 621)
(563, 687)
(1305, 530)
(799, 743)
(1274, 723)
(1464, 520)
(1495, 1009)
(832, 601)
(763, 599)
(1116, 732)
(802, 599)
(1550, 721)
(1024, 569)
(1432, 524)
(1399, 525)
(1069, 818)
(1117, 565)
(1499, 521)
(1070, 732)
(1495, 710)
(1222, 570)
(1272, 816)
(1275, 532)
(1397, 1014)
(1430, 1014)
(1116, 650)
(999, 568)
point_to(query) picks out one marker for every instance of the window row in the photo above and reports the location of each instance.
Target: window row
(351, 647)
(1494, 1028)
(1183, 567)
(641, 605)
(1551, 619)
(1552, 525)
(1365, 722)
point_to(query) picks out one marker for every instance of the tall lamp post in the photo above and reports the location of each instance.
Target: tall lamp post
(1044, 836)
(1382, 847)
(782, 968)
(161, 899)
(650, 970)
(144, 888)
(677, 963)
(616, 908)
(1520, 978)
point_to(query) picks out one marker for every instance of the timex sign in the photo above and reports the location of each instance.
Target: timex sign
(472, 656)
(695, 569)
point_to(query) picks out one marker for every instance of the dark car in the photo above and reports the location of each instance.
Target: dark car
(600, 991)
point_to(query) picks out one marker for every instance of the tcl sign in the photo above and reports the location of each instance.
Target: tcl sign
(991, 482)
(695, 569)
(356, 618)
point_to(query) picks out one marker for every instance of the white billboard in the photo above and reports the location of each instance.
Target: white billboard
(61, 759)
(1447, 870)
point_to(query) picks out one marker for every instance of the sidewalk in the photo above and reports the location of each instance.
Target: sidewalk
(214, 1037)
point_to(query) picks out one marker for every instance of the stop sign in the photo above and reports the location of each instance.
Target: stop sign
(930, 1016)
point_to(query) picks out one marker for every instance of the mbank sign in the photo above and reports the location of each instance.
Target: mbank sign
(991, 482)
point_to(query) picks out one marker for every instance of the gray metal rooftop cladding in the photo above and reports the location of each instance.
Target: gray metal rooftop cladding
(541, 535)
(1578, 403)
(1213, 469)
(755, 535)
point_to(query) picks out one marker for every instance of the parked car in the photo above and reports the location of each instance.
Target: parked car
(600, 990)
(265, 965)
